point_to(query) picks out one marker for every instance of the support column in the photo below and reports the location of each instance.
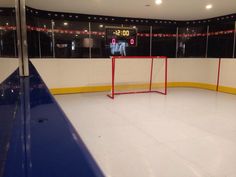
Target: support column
(22, 37)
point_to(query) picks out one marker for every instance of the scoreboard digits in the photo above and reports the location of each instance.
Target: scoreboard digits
(121, 32)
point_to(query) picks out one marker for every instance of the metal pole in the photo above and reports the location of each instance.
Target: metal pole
(15, 44)
(150, 40)
(177, 42)
(53, 39)
(22, 37)
(207, 41)
(39, 42)
(90, 42)
(234, 39)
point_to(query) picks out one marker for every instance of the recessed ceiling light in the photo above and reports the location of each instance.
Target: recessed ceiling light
(65, 23)
(101, 25)
(158, 2)
(209, 6)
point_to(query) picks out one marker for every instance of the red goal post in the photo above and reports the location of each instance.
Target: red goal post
(150, 90)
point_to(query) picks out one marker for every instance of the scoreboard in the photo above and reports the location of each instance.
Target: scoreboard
(116, 35)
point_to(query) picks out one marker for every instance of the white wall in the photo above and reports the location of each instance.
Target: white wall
(193, 70)
(64, 73)
(7, 67)
(228, 73)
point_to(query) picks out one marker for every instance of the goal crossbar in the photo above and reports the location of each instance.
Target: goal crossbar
(114, 58)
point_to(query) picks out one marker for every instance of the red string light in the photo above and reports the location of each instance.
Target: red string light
(80, 32)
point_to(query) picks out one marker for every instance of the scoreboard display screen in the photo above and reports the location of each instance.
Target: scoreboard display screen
(116, 35)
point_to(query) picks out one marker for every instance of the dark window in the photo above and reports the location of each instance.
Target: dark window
(39, 33)
(220, 44)
(8, 47)
(235, 41)
(192, 41)
(99, 48)
(143, 42)
(45, 38)
(32, 37)
(71, 39)
(163, 41)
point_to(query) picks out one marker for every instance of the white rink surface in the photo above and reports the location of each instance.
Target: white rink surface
(188, 133)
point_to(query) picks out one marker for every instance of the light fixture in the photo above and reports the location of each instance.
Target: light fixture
(101, 25)
(209, 6)
(7, 24)
(134, 27)
(65, 24)
(158, 2)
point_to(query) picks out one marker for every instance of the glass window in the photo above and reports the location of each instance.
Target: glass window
(192, 41)
(164, 41)
(71, 39)
(39, 33)
(46, 49)
(235, 40)
(220, 40)
(99, 47)
(143, 41)
(8, 47)
(32, 37)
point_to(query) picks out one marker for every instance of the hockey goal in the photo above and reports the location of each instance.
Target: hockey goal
(138, 74)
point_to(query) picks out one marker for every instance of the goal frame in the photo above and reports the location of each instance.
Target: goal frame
(150, 90)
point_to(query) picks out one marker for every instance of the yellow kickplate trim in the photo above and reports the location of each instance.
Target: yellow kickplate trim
(71, 90)
(192, 84)
(88, 89)
(230, 90)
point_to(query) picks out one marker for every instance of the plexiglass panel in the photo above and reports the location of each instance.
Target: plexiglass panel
(192, 41)
(221, 39)
(71, 39)
(100, 48)
(59, 34)
(8, 44)
(164, 41)
(143, 41)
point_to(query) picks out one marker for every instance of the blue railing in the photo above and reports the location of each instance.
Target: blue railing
(42, 141)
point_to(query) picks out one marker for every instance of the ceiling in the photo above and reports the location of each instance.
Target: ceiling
(7, 3)
(168, 10)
